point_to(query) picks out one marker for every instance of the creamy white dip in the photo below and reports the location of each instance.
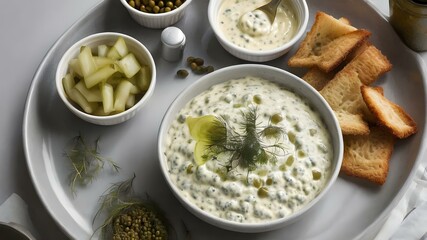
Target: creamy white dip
(273, 190)
(251, 29)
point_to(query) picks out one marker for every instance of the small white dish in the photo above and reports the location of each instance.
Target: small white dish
(137, 48)
(302, 15)
(157, 20)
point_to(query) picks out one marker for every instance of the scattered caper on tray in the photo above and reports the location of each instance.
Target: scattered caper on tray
(182, 73)
(196, 66)
(155, 6)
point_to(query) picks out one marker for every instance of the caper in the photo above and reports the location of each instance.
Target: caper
(132, 3)
(257, 99)
(313, 132)
(190, 59)
(290, 160)
(149, 9)
(167, 9)
(169, 4)
(271, 131)
(199, 61)
(209, 69)
(142, 8)
(269, 181)
(295, 172)
(182, 73)
(152, 3)
(316, 175)
(199, 70)
(193, 66)
(137, 3)
(190, 169)
(156, 9)
(161, 4)
(178, 3)
(263, 192)
(301, 153)
(291, 137)
(276, 118)
(257, 183)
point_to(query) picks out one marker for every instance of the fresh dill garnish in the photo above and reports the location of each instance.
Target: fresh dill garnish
(244, 148)
(86, 162)
(129, 217)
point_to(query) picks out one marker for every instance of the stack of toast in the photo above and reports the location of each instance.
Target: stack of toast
(342, 65)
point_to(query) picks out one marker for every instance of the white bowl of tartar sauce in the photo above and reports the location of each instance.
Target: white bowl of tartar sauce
(249, 35)
(250, 148)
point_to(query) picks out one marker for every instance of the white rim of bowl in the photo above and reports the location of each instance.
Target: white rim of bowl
(257, 227)
(70, 51)
(153, 15)
(212, 17)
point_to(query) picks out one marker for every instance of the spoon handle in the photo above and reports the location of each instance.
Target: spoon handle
(270, 9)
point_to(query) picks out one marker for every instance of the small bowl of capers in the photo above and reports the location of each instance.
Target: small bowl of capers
(156, 13)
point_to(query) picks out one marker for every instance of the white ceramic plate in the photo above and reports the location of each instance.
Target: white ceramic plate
(352, 208)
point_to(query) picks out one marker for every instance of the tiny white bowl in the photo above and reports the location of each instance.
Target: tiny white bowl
(301, 12)
(137, 48)
(157, 20)
(288, 81)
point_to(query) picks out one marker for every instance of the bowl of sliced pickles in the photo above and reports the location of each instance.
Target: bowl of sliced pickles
(106, 78)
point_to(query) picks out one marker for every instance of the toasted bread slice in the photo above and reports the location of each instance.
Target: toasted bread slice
(317, 78)
(369, 64)
(352, 124)
(327, 44)
(389, 114)
(343, 95)
(344, 20)
(357, 51)
(368, 156)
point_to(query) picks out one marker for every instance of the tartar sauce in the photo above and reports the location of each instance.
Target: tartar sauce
(274, 190)
(252, 29)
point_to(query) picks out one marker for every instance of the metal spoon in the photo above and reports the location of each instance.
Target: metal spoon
(270, 9)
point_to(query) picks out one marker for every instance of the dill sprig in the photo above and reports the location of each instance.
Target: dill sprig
(86, 162)
(115, 200)
(245, 148)
(125, 211)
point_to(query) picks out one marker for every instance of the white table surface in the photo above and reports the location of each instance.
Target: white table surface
(28, 29)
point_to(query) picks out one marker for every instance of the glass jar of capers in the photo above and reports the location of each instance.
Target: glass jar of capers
(155, 6)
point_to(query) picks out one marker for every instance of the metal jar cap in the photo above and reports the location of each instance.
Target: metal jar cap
(173, 43)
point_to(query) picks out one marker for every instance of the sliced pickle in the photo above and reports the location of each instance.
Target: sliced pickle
(200, 127)
(201, 153)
